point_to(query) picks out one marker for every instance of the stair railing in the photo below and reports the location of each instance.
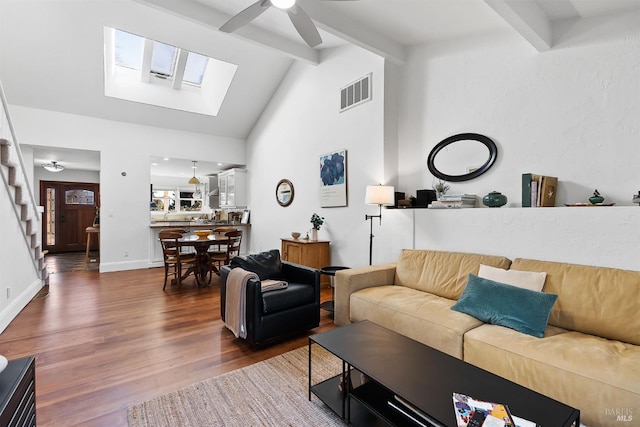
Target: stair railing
(24, 202)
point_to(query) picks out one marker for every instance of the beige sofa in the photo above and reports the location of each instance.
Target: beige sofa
(589, 357)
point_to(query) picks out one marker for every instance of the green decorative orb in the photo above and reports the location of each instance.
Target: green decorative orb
(494, 199)
(596, 199)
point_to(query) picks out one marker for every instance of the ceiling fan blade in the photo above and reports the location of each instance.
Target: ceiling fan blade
(246, 16)
(305, 26)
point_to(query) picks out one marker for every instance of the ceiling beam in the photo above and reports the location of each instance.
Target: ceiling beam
(212, 18)
(325, 18)
(339, 25)
(526, 17)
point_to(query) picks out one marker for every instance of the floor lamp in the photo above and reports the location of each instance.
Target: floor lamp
(377, 195)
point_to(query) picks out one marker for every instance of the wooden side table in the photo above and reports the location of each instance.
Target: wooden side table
(90, 232)
(312, 253)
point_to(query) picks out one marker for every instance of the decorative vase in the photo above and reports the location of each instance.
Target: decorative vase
(596, 198)
(495, 199)
(314, 234)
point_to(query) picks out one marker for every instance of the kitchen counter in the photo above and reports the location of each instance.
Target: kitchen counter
(195, 224)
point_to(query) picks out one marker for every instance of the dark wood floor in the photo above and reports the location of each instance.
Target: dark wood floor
(105, 341)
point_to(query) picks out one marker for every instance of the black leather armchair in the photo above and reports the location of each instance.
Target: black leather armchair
(280, 312)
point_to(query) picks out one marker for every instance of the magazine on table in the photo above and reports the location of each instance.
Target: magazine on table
(471, 412)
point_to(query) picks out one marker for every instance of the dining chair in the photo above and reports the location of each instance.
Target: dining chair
(174, 260)
(176, 230)
(183, 251)
(232, 249)
(221, 248)
(223, 230)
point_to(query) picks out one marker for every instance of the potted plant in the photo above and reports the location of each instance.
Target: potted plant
(316, 221)
(441, 187)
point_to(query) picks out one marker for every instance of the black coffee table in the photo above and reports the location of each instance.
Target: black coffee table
(422, 376)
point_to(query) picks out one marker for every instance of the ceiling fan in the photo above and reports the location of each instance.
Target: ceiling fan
(300, 19)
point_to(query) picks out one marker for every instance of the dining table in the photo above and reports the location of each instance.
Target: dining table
(201, 244)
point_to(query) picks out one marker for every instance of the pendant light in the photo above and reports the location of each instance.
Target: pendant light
(194, 180)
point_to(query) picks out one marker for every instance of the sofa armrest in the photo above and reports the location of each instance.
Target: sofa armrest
(300, 274)
(348, 281)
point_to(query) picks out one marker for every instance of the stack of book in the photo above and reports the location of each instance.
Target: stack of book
(453, 201)
(538, 190)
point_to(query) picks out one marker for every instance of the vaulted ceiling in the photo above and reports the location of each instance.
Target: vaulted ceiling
(51, 51)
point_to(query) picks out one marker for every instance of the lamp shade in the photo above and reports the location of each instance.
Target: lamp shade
(379, 195)
(194, 179)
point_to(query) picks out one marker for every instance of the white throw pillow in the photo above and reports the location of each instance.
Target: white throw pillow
(532, 280)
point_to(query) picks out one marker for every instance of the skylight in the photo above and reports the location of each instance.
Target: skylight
(196, 66)
(128, 49)
(163, 61)
(153, 72)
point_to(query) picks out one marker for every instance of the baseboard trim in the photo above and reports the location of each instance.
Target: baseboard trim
(16, 306)
(121, 266)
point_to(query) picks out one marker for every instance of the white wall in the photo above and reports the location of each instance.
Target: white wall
(301, 123)
(572, 112)
(125, 152)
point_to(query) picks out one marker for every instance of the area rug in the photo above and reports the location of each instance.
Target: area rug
(269, 393)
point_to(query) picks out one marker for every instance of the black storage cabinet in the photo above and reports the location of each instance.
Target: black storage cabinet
(18, 393)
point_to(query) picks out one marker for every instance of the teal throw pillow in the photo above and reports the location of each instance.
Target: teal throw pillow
(521, 309)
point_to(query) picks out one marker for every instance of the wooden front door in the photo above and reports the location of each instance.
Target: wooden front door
(69, 208)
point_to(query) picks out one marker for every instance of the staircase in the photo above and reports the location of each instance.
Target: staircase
(17, 186)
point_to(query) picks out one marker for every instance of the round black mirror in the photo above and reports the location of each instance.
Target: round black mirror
(284, 192)
(464, 160)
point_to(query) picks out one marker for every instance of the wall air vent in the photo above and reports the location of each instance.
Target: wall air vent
(355, 93)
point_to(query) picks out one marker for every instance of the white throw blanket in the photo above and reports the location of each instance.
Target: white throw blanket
(272, 285)
(236, 301)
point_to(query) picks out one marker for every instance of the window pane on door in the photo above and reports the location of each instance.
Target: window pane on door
(50, 220)
(79, 197)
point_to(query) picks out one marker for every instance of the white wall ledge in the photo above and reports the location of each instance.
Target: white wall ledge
(601, 236)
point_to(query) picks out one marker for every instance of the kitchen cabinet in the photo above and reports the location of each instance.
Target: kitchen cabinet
(312, 253)
(232, 186)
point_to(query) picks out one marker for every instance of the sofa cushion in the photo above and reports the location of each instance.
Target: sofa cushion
(441, 273)
(265, 264)
(424, 317)
(500, 304)
(594, 300)
(596, 375)
(532, 280)
(294, 295)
